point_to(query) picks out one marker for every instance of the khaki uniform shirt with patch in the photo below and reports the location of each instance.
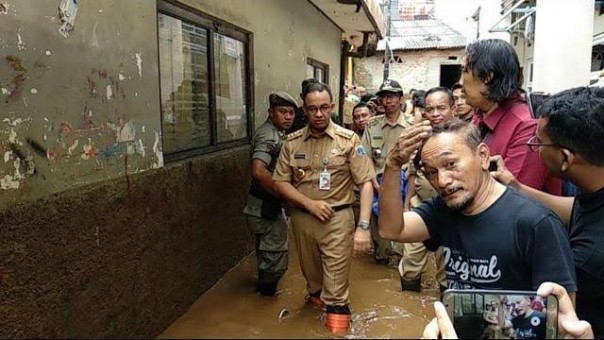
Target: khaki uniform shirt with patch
(379, 138)
(423, 189)
(303, 157)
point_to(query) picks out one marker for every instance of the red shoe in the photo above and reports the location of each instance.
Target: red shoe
(338, 324)
(315, 301)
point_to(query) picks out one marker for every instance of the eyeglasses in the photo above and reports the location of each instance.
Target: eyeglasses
(325, 109)
(534, 143)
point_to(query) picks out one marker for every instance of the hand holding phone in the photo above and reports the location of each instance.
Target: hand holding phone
(495, 314)
(492, 165)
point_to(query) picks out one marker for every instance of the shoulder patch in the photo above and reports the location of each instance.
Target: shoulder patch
(295, 135)
(375, 120)
(340, 131)
(360, 150)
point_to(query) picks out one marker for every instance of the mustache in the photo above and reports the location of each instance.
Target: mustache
(449, 191)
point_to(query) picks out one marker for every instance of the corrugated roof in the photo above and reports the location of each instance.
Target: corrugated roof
(422, 34)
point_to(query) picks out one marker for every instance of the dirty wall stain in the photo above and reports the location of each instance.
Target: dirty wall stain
(15, 85)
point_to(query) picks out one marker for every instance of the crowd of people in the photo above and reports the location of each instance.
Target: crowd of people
(467, 173)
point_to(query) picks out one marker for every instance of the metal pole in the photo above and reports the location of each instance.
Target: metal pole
(387, 52)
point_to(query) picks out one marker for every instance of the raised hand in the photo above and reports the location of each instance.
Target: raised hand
(408, 142)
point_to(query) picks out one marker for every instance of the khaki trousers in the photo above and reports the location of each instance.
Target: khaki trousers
(325, 253)
(413, 263)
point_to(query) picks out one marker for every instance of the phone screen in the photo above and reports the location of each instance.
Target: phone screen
(492, 166)
(502, 314)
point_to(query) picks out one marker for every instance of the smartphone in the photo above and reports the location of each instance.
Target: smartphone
(492, 166)
(534, 99)
(501, 314)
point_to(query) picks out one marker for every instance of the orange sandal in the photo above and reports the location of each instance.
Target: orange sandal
(315, 301)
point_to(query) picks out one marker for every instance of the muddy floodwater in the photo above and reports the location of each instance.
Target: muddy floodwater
(232, 309)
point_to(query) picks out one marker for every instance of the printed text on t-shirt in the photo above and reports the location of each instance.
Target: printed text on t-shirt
(471, 269)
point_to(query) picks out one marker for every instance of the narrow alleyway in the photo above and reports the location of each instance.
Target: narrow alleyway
(231, 309)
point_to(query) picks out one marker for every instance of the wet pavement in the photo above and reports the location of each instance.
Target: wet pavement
(232, 309)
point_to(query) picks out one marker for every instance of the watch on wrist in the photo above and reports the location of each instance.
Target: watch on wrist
(363, 225)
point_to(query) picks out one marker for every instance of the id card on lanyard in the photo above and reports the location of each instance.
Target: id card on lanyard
(325, 177)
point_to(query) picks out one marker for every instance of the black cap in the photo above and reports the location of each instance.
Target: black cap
(281, 99)
(390, 86)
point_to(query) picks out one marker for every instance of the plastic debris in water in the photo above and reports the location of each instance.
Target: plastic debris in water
(283, 314)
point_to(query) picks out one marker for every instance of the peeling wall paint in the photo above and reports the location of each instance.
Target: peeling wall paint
(139, 64)
(80, 104)
(68, 10)
(4, 7)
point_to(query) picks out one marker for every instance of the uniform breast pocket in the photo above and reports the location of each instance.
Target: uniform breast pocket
(338, 169)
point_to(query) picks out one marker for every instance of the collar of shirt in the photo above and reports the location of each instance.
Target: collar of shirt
(329, 131)
(591, 201)
(402, 120)
(494, 117)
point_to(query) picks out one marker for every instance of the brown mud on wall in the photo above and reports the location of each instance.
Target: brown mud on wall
(125, 257)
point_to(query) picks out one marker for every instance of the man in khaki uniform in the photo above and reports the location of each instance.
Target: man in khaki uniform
(263, 207)
(316, 171)
(439, 103)
(381, 134)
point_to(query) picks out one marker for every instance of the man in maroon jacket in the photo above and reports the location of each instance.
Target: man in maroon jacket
(492, 82)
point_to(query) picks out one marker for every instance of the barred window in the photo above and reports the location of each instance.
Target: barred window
(204, 83)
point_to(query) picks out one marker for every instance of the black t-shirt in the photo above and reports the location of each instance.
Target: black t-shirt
(515, 244)
(587, 242)
(531, 327)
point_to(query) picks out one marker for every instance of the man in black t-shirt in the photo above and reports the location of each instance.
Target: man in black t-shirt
(527, 323)
(569, 141)
(493, 238)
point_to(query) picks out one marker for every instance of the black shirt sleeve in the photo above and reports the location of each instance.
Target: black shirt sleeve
(552, 258)
(431, 214)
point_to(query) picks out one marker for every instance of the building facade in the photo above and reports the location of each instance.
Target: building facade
(125, 136)
(424, 53)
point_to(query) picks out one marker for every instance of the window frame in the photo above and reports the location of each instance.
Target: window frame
(319, 65)
(213, 25)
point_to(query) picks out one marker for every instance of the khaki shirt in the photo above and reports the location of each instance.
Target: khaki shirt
(423, 189)
(379, 137)
(348, 106)
(303, 157)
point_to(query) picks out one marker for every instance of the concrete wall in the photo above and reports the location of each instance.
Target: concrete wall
(78, 107)
(489, 16)
(418, 69)
(122, 258)
(598, 23)
(285, 34)
(99, 238)
(557, 69)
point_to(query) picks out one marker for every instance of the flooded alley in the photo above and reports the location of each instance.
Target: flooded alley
(232, 309)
